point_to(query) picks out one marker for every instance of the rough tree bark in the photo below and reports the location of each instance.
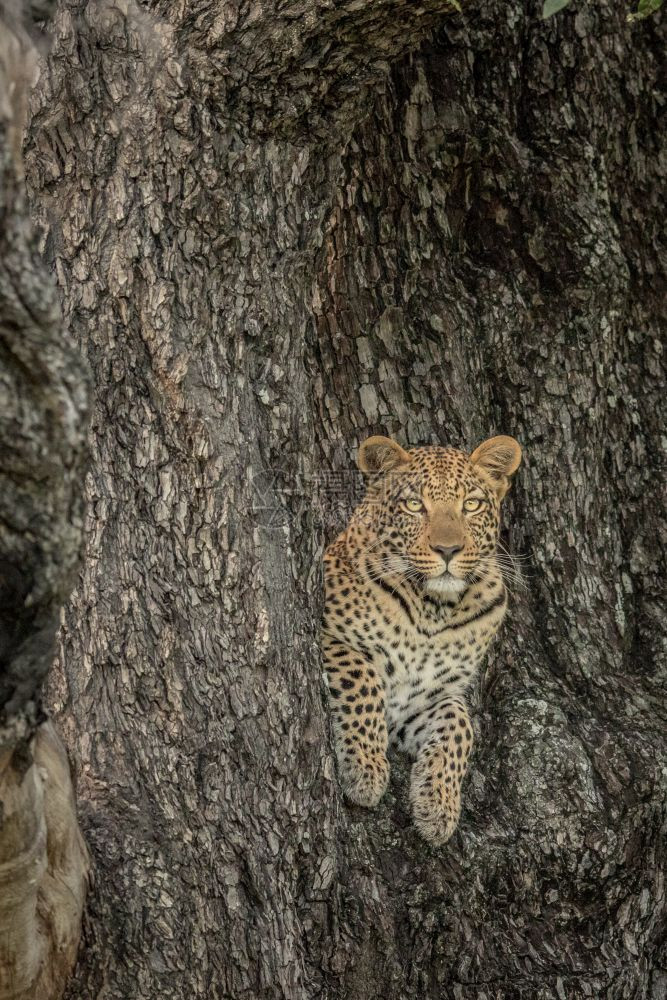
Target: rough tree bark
(277, 229)
(43, 406)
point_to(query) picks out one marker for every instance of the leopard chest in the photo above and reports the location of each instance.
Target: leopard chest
(424, 661)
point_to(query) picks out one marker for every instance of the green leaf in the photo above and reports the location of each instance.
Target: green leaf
(644, 9)
(552, 6)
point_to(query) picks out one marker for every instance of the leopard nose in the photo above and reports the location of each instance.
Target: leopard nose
(447, 551)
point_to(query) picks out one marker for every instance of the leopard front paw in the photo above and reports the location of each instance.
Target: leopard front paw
(365, 779)
(435, 796)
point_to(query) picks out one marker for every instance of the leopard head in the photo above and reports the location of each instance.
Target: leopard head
(432, 514)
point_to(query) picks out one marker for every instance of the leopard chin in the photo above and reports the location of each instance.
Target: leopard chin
(445, 585)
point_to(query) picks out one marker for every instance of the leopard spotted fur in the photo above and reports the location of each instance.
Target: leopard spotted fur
(414, 596)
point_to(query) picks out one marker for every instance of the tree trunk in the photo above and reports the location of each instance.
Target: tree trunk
(43, 407)
(276, 231)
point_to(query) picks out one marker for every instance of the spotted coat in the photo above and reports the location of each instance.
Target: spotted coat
(414, 596)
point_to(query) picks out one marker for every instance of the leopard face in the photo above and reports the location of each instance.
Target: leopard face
(432, 514)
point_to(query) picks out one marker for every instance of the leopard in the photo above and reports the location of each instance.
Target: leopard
(414, 595)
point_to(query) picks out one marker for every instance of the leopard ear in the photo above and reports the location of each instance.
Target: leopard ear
(380, 454)
(498, 458)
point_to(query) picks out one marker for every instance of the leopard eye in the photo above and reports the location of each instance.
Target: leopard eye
(413, 505)
(472, 505)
